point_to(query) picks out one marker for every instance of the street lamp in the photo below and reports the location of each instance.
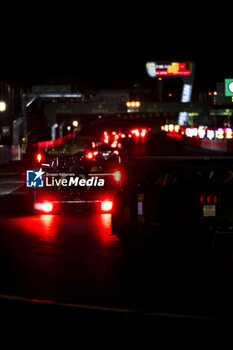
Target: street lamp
(2, 106)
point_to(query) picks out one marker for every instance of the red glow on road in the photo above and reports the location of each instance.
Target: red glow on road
(44, 226)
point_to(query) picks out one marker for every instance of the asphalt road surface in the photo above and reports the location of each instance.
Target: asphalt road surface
(74, 259)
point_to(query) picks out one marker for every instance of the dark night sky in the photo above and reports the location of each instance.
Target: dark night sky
(107, 46)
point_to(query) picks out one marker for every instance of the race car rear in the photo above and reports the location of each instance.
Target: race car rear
(75, 185)
(190, 205)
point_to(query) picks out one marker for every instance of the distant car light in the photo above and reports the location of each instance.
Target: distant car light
(117, 176)
(215, 199)
(143, 133)
(202, 200)
(89, 155)
(2, 106)
(114, 144)
(39, 157)
(209, 199)
(106, 205)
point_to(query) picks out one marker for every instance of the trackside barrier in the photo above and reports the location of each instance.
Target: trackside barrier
(9, 153)
(15, 153)
(43, 145)
(4, 154)
(202, 137)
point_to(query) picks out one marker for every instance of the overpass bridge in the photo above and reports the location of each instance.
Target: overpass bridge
(61, 110)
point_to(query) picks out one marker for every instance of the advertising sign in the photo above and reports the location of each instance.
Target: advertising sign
(229, 87)
(171, 69)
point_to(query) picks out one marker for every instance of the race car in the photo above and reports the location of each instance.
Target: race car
(101, 152)
(186, 202)
(72, 184)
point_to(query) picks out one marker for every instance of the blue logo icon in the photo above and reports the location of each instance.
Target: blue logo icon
(35, 178)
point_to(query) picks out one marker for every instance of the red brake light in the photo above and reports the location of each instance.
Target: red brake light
(114, 144)
(215, 199)
(202, 200)
(46, 207)
(39, 157)
(106, 205)
(89, 155)
(143, 133)
(209, 199)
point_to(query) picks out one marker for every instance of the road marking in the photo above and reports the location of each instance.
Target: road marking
(12, 182)
(178, 157)
(8, 191)
(109, 309)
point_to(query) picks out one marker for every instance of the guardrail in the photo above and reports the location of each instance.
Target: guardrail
(9, 153)
(5, 154)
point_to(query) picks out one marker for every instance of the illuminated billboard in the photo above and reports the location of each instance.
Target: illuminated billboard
(182, 70)
(168, 69)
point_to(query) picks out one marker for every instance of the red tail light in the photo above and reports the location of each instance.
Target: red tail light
(215, 199)
(143, 132)
(202, 200)
(46, 207)
(114, 144)
(209, 199)
(89, 155)
(39, 157)
(106, 205)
